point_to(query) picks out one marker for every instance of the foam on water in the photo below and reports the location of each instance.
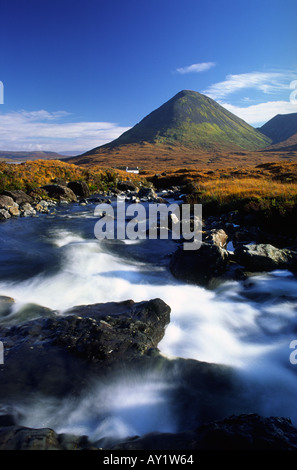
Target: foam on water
(248, 326)
(124, 406)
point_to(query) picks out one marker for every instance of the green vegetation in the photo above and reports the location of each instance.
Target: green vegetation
(31, 175)
(192, 120)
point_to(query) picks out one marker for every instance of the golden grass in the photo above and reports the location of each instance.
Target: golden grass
(225, 190)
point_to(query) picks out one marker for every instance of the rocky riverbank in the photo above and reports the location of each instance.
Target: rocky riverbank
(50, 355)
(59, 356)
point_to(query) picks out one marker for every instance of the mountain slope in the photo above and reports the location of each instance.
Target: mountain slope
(189, 121)
(192, 120)
(280, 128)
(288, 145)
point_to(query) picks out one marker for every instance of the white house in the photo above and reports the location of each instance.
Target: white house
(132, 170)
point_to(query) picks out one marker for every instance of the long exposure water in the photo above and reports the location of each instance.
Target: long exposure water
(55, 261)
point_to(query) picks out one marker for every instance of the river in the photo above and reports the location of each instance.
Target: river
(55, 261)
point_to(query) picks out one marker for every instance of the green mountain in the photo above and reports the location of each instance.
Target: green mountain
(280, 128)
(194, 121)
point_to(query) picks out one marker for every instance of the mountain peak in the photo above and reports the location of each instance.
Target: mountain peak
(189, 123)
(192, 120)
(281, 127)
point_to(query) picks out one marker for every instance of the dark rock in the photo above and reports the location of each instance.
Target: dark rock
(243, 432)
(247, 235)
(61, 193)
(126, 186)
(148, 193)
(265, 257)
(80, 188)
(20, 197)
(202, 266)
(250, 432)
(56, 354)
(23, 438)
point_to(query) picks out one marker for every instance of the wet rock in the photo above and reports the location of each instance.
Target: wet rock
(59, 192)
(238, 432)
(54, 354)
(247, 235)
(4, 214)
(80, 188)
(26, 210)
(203, 266)
(20, 197)
(126, 186)
(23, 438)
(42, 206)
(217, 237)
(6, 202)
(14, 211)
(265, 257)
(243, 432)
(147, 193)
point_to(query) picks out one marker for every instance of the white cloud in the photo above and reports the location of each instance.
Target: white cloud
(196, 68)
(267, 82)
(42, 130)
(273, 85)
(258, 114)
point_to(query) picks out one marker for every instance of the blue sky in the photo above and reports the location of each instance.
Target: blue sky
(77, 73)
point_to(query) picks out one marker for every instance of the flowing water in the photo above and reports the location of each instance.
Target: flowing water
(55, 261)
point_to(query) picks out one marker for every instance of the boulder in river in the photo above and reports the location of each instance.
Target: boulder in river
(6, 202)
(23, 438)
(80, 188)
(59, 192)
(217, 237)
(4, 214)
(126, 186)
(249, 432)
(203, 266)
(237, 432)
(55, 353)
(19, 196)
(265, 257)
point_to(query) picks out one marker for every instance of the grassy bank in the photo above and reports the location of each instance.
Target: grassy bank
(31, 175)
(267, 192)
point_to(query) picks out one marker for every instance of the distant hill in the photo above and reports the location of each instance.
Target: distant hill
(24, 156)
(280, 128)
(189, 123)
(288, 145)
